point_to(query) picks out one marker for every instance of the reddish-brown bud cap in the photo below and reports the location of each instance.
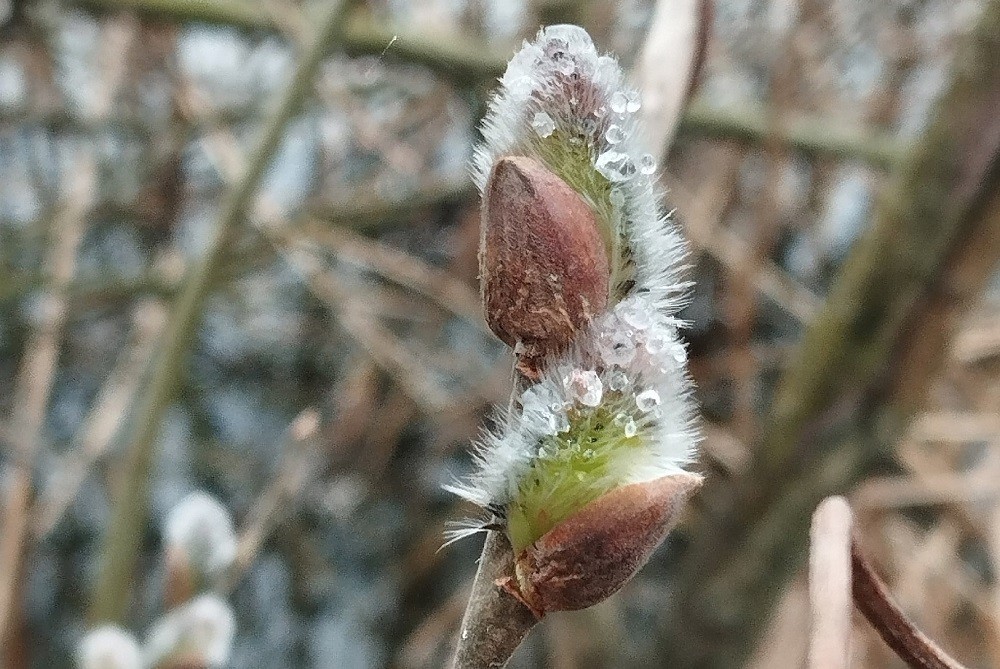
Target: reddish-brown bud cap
(542, 263)
(589, 556)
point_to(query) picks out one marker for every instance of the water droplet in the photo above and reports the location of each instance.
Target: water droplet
(620, 418)
(520, 86)
(614, 134)
(559, 422)
(585, 386)
(618, 102)
(465, 633)
(607, 63)
(600, 112)
(617, 197)
(655, 343)
(633, 102)
(567, 66)
(618, 380)
(647, 164)
(679, 352)
(543, 124)
(635, 315)
(631, 429)
(615, 348)
(647, 400)
(615, 166)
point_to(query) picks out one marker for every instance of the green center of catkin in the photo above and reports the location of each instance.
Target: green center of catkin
(572, 469)
(570, 158)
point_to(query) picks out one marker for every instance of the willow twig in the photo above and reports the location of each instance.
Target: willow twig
(874, 601)
(103, 421)
(128, 516)
(494, 623)
(34, 384)
(296, 468)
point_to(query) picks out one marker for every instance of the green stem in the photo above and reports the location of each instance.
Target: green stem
(810, 134)
(471, 63)
(124, 538)
(467, 61)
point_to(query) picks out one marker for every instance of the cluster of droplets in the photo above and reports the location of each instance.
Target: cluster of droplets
(632, 361)
(559, 82)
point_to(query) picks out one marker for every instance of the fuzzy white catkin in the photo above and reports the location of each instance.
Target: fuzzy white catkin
(600, 111)
(201, 630)
(201, 529)
(109, 647)
(632, 350)
(631, 360)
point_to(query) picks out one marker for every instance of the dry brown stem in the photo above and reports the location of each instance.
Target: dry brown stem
(34, 385)
(874, 601)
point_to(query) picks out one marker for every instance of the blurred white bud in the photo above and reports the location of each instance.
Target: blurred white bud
(109, 647)
(199, 632)
(200, 530)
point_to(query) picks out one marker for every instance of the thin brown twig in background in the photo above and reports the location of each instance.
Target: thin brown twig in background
(273, 502)
(446, 290)
(677, 34)
(124, 535)
(35, 381)
(874, 601)
(102, 422)
(382, 346)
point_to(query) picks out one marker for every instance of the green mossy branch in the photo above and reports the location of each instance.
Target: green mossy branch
(472, 64)
(123, 541)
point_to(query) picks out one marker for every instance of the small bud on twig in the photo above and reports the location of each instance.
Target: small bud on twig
(589, 556)
(543, 265)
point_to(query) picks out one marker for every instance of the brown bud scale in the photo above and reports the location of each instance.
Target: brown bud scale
(543, 265)
(589, 556)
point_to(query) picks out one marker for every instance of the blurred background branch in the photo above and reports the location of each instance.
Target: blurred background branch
(112, 591)
(834, 169)
(861, 371)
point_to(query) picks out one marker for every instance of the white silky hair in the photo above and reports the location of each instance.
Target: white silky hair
(109, 647)
(202, 528)
(202, 628)
(634, 348)
(634, 351)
